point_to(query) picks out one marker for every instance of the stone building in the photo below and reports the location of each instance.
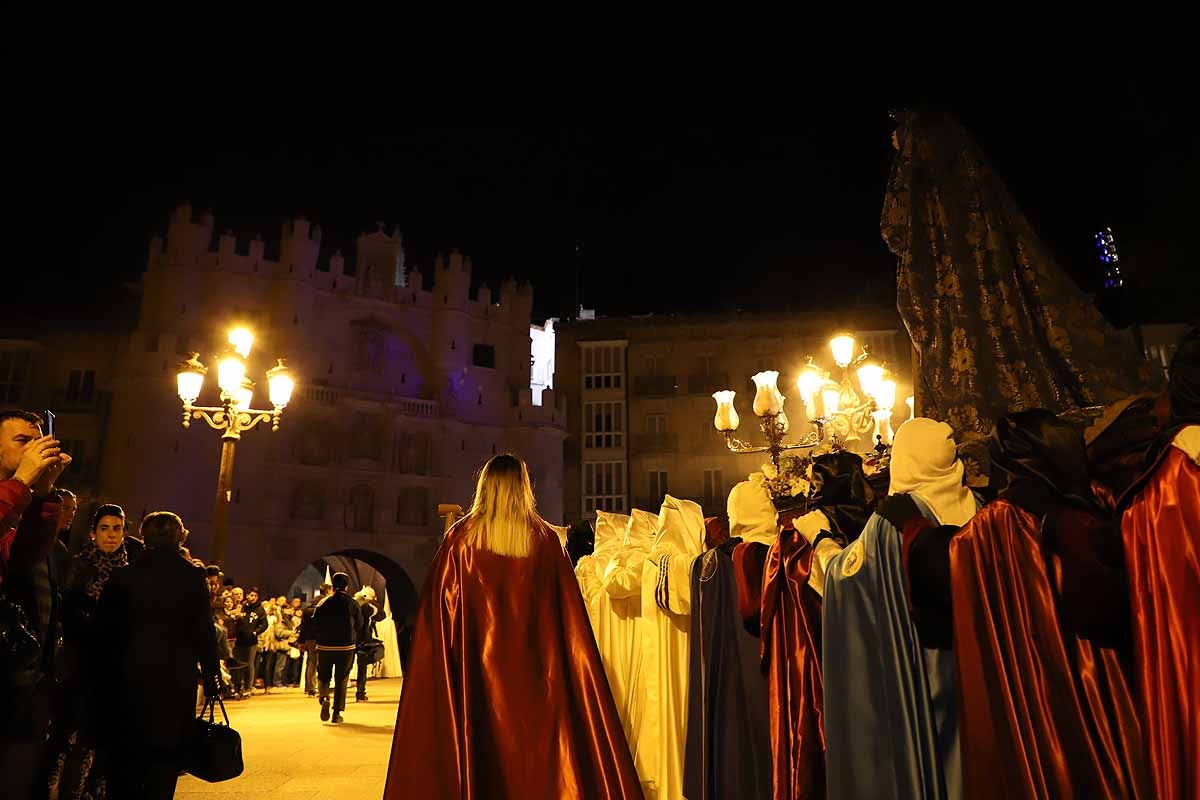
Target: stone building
(407, 383)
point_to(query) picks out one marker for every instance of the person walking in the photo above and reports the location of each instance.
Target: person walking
(338, 624)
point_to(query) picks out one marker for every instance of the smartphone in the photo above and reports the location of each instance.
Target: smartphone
(48, 415)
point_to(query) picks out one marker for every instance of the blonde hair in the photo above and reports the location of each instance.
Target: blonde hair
(503, 514)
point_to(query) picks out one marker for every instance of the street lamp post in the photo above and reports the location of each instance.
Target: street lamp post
(233, 417)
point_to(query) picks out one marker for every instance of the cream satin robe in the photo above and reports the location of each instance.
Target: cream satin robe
(621, 648)
(665, 624)
(589, 571)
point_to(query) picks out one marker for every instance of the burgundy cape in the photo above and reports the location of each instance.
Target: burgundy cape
(505, 695)
(791, 659)
(1161, 528)
(1045, 714)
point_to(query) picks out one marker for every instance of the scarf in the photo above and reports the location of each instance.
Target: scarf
(102, 565)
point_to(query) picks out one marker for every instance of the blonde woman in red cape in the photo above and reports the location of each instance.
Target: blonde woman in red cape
(505, 695)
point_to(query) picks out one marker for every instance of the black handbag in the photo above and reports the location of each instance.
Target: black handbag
(215, 752)
(371, 651)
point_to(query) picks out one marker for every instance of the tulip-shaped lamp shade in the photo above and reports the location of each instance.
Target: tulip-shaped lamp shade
(280, 384)
(230, 374)
(767, 399)
(727, 416)
(191, 379)
(829, 398)
(870, 375)
(809, 383)
(242, 340)
(842, 346)
(885, 398)
(244, 396)
(783, 421)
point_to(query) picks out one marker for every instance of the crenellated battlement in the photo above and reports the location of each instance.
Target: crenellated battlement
(379, 272)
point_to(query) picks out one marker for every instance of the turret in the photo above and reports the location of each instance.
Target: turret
(188, 240)
(451, 282)
(380, 260)
(298, 248)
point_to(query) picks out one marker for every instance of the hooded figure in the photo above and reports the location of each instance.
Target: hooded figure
(1161, 533)
(622, 584)
(589, 570)
(1038, 585)
(996, 324)
(891, 720)
(666, 607)
(728, 722)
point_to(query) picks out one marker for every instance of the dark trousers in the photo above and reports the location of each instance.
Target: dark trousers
(363, 666)
(252, 660)
(335, 664)
(242, 681)
(310, 667)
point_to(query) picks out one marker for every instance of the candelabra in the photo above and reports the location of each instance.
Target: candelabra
(234, 416)
(844, 415)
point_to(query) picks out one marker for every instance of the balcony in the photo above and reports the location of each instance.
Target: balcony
(707, 383)
(409, 406)
(654, 385)
(652, 443)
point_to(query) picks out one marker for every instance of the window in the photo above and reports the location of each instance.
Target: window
(81, 386)
(706, 364)
(714, 489)
(658, 485)
(603, 366)
(366, 436)
(413, 453)
(604, 486)
(603, 424)
(656, 424)
(14, 373)
(484, 355)
(412, 507)
(360, 510)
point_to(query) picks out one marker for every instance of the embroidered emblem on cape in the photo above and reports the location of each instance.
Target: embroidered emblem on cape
(708, 567)
(853, 560)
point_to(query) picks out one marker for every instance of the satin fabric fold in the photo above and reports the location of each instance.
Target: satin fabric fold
(891, 721)
(728, 733)
(1044, 714)
(1161, 531)
(791, 659)
(506, 695)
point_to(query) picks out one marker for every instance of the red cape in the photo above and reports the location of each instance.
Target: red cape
(791, 651)
(1044, 714)
(505, 694)
(1161, 529)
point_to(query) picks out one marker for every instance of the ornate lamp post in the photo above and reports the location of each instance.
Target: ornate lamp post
(234, 416)
(843, 413)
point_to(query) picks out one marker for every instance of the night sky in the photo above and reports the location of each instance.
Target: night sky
(636, 217)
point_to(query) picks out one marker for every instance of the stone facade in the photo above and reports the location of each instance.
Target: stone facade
(402, 394)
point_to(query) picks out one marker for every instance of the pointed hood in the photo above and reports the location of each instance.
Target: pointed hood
(680, 527)
(641, 529)
(610, 534)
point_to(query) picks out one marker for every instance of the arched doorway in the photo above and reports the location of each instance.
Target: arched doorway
(391, 582)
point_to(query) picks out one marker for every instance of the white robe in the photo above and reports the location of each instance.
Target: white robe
(666, 591)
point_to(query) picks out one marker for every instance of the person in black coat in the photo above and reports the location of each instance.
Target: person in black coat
(338, 625)
(157, 627)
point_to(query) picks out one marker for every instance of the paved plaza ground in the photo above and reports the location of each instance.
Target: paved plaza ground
(290, 753)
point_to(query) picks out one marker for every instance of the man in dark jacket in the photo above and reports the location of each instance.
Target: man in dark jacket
(308, 640)
(338, 624)
(29, 514)
(256, 616)
(156, 627)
